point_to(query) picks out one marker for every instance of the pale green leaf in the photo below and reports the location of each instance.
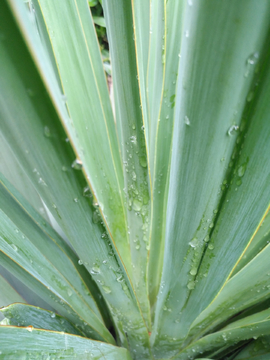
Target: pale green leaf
(41, 147)
(220, 144)
(34, 344)
(27, 315)
(118, 16)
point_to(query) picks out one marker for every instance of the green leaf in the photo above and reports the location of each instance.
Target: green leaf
(249, 286)
(30, 242)
(257, 350)
(161, 140)
(27, 315)
(90, 124)
(260, 240)
(224, 338)
(202, 226)
(130, 127)
(8, 295)
(99, 20)
(34, 126)
(32, 343)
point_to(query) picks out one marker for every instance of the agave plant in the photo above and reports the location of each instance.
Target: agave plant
(135, 226)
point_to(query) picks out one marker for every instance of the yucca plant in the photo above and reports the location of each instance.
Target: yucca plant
(135, 226)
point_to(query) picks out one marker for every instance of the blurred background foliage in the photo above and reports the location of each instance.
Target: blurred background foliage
(98, 17)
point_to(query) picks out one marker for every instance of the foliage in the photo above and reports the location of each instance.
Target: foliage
(136, 226)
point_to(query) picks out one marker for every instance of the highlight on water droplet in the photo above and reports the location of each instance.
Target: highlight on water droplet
(76, 200)
(87, 192)
(194, 242)
(253, 58)
(95, 270)
(77, 164)
(14, 247)
(80, 262)
(187, 121)
(53, 315)
(233, 129)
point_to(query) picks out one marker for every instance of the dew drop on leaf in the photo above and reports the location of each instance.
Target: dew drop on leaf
(187, 121)
(77, 164)
(233, 129)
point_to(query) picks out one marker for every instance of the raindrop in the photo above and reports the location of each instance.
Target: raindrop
(77, 164)
(143, 161)
(194, 242)
(241, 170)
(80, 262)
(14, 247)
(133, 139)
(64, 98)
(76, 200)
(250, 96)
(211, 246)
(191, 285)
(53, 315)
(29, 328)
(64, 168)
(253, 58)
(186, 33)
(187, 121)
(232, 130)
(95, 270)
(137, 205)
(69, 292)
(106, 289)
(120, 278)
(193, 271)
(47, 132)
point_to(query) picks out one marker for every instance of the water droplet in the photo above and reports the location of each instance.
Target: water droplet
(193, 271)
(14, 247)
(53, 315)
(194, 242)
(69, 292)
(167, 117)
(186, 33)
(250, 96)
(41, 182)
(29, 328)
(143, 161)
(137, 205)
(77, 164)
(120, 278)
(187, 121)
(64, 97)
(211, 246)
(106, 289)
(241, 170)
(133, 139)
(95, 270)
(191, 285)
(190, 3)
(47, 132)
(76, 200)
(233, 129)
(80, 262)
(64, 168)
(253, 58)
